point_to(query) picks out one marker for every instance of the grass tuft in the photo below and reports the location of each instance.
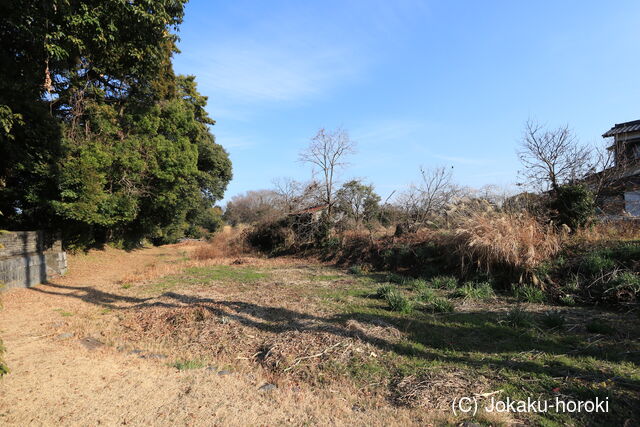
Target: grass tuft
(553, 320)
(356, 270)
(396, 278)
(426, 295)
(568, 300)
(444, 282)
(595, 263)
(417, 284)
(627, 280)
(184, 365)
(478, 291)
(518, 318)
(398, 302)
(385, 290)
(441, 305)
(597, 326)
(528, 293)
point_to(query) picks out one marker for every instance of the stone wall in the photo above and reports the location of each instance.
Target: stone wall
(28, 258)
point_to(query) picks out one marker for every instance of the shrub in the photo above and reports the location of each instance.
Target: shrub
(553, 320)
(396, 278)
(528, 293)
(596, 263)
(627, 280)
(574, 205)
(398, 302)
(356, 270)
(471, 290)
(518, 318)
(444, 282)
(597, 326)
(398, 256)
(331, 244)
(626, 253)
(385, 290)
(441, 305)
(270, 236)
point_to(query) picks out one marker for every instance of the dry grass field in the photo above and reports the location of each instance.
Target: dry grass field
(168, 336)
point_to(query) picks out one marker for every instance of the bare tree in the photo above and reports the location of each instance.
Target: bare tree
(494, 194)
(327, 151)
(252, 207)
(606, 168)
(428, 198)
(288, 191)
(552, 158)
(294, 195)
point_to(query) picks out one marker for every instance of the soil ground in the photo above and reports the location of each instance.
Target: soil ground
(153, 336)
(55, 379)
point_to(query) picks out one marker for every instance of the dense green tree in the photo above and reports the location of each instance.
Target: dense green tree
(98, 137)
(573, 205)
(359, 202)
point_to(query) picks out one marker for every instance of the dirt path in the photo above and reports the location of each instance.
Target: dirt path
(56, 379)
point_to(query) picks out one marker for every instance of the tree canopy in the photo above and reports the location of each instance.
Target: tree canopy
(98, 137)
(358, 201)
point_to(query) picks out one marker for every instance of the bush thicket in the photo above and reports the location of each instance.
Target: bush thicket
(573, 205)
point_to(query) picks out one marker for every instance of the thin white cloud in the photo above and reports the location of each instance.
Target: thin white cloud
(453, 159)
(294, 52)
(252, 73)
(389, 130)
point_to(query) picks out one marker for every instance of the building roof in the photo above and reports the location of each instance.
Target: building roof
(619, 128)
(310, 210)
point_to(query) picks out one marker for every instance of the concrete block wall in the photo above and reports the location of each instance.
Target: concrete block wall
(28, 258)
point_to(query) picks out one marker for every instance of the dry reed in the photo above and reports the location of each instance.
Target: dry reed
(231, 242)
(517, 241)
(615, 230)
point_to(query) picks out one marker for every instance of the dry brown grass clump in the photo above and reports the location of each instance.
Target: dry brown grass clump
(293, 351)
(231, 242)
(436, 390)
(620, 230)
(217, 330)
(152, 271)
(517, 241)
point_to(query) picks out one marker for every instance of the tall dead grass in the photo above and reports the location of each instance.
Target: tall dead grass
(607, 231)
(491, 240)
(231, 242)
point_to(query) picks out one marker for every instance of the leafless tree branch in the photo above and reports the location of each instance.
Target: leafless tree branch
(326, 152)
(551, 158)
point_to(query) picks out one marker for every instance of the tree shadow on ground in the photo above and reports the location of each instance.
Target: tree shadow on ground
(448, 338)
(469, 332)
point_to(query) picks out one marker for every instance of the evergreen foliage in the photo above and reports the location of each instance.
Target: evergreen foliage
(98, 137)
(574, 205)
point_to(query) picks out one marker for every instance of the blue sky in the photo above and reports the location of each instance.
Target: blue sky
(416, 83)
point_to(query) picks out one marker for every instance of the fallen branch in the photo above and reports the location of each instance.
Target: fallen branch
(322, 353)
(487, 394)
